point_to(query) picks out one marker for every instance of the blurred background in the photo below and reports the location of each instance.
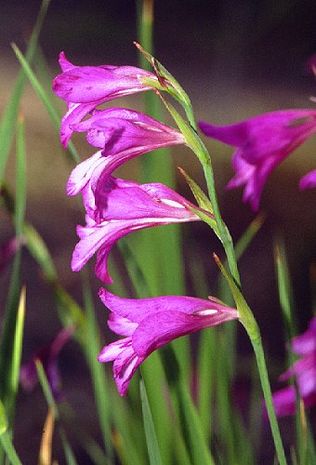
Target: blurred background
(235, 60)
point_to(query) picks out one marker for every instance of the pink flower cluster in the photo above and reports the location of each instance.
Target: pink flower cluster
(262, 143)
(303, 371)
(117, 207)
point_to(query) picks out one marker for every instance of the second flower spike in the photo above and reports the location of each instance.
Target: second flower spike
(262, 143)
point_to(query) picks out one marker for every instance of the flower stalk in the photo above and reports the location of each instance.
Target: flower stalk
(246, 316)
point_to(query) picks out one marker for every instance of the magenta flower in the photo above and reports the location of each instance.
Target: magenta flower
(123, 207)
(9, 249)
(48, 356)
(262, 143)
(308, 181)
(304, 371)
(148, 324)
(122, 134)
(83, 88)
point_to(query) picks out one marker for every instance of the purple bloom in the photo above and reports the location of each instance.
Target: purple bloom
(123, 207)
(85, 87)
(304, 371)
(122, 134)
(262, 143)
(9, 249)
(308, 181)
(48, 356)
(148, 324)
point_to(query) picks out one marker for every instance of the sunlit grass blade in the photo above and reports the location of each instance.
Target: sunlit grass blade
(43, 96)
(11, 310)
(17, 347)
(69, 455)
(5, 439)
(9, 117)
(91, 347)
(8, 447)
(150, 433)
(45, 452)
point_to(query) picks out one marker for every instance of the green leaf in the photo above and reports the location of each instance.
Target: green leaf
(46, 388)
(40, 252)
(245, 314)
(92, 346)
(20, 196)
(201, 198)
(8, 120)
(42, 94)
(167, 83)
(150, 433)
(17, 344)
(11, 324)
(7, 446)
(3, 419)
(193, 432)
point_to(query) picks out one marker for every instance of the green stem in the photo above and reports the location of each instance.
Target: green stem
(246, 315)
(222, 228)
(264, 379)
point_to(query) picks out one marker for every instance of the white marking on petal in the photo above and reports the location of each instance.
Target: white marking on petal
(207, 312)
(172, 203)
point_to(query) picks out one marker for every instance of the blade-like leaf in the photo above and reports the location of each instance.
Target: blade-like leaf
(41, 93)
(150, 433)
(8, 120)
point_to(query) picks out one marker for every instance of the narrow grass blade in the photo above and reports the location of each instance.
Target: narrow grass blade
(153, 372)
(207, 351)
(150, 433)
(285, 289)
(17, 346)
(11, 310)
(160, 250)
(193, 432)
(39, 252)
(8, 120)
(20, 195)
(46, 388)
(91, 347)
(45, 452)
(42, 94)
(69, 455)
(129, 447)
(8, 447)
(152, 369)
